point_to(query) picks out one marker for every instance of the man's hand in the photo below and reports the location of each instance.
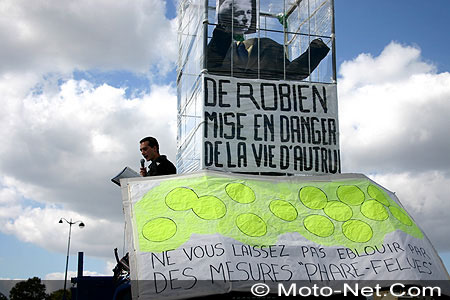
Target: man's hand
(143, 172)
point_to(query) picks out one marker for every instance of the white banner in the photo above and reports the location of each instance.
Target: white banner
(270, 126)
(210, 232)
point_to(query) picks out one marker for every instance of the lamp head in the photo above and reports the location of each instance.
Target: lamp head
(81, 225)
(60, 221)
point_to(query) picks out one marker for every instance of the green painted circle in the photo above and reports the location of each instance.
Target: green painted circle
(374, 210)
(240, 193)
(357, 231)
(159, 229)
(209, 208)
(283, 210)
(377, 194)
(251, 225)
(350, 194)
(181, 198)
(313, 197)
(319, 225)
(400, 215)
(338, 211)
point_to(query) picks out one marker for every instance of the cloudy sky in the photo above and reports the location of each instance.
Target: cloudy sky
(82, 81)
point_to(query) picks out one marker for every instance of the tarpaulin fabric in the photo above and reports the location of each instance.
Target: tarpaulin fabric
(269, 126)
(212, 228)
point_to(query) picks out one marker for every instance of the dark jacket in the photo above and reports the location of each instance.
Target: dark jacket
(271, 58)
(161, 166)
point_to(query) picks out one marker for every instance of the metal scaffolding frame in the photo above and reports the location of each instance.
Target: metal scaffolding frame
(292, 23)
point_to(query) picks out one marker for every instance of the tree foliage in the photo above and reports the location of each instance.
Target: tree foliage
(32, 289)
(58, 295)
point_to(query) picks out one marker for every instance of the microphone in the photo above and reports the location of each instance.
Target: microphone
(142, 163)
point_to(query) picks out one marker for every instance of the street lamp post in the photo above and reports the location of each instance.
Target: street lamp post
(81, 225)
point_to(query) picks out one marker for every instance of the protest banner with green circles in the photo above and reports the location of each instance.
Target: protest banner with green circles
(209, 225)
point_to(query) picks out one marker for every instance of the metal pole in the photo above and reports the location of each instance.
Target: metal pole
(232, 38)
(67, 260)
(333, 42)
(285, 49)
(68, 250)
(205, 36)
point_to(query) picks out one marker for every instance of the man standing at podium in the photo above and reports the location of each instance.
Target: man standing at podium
(160, 165)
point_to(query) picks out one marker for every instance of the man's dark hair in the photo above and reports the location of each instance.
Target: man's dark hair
(152, 142)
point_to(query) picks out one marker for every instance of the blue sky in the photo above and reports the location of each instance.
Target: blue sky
(82, 82)
(368, 26)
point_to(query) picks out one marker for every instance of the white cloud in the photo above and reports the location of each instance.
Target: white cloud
(63, 139)
(70, 274)
(10, 203)
(396, 63)
(62, 148)
(63, 142)
(59, 36)
(40, 226)
(394, 120)
(425, 197)
(401, 121)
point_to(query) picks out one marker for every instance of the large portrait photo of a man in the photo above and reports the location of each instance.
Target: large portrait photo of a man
(238, 16)
(230, 52)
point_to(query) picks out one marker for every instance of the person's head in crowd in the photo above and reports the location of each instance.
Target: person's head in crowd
(238, 10)
(149, 148)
